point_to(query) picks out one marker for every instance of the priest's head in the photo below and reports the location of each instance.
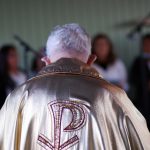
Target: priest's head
(68, 41)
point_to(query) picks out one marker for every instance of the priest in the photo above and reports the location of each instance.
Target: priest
(69, 106)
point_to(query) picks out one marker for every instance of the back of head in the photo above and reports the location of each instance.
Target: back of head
(70, 41)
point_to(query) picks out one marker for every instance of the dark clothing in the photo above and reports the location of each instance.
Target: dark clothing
(140, 84)
(6, 86)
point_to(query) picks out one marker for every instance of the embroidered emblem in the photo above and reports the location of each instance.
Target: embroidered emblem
(78, 120)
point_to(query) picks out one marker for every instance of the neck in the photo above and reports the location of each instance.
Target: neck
(54, 58)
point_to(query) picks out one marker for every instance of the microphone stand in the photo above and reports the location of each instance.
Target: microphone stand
(27, 48)
(138, 28)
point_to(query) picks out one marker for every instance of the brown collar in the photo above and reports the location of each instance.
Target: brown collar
(70, 66)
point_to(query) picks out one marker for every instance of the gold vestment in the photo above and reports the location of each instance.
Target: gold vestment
(69, 106)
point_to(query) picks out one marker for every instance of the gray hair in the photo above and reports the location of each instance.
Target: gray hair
(70, 39)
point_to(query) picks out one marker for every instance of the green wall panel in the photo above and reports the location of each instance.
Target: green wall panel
(34, 19)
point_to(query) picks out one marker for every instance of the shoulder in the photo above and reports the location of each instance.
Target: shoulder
(120, 97)
(111, 88)
(16, 97)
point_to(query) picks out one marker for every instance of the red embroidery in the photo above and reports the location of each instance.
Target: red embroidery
(78, 121)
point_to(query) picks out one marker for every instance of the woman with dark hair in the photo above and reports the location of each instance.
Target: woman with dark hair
(109, 66)
(10, 75)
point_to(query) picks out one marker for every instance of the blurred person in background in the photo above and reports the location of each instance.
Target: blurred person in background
(107, 63)
(37, 63)
(10, 75)
(140, 79)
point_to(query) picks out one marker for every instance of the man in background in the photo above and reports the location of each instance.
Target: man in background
(140, 79)
(69, 105)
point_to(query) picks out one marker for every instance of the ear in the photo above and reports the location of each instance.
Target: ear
(46, 60)
(91, 59)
